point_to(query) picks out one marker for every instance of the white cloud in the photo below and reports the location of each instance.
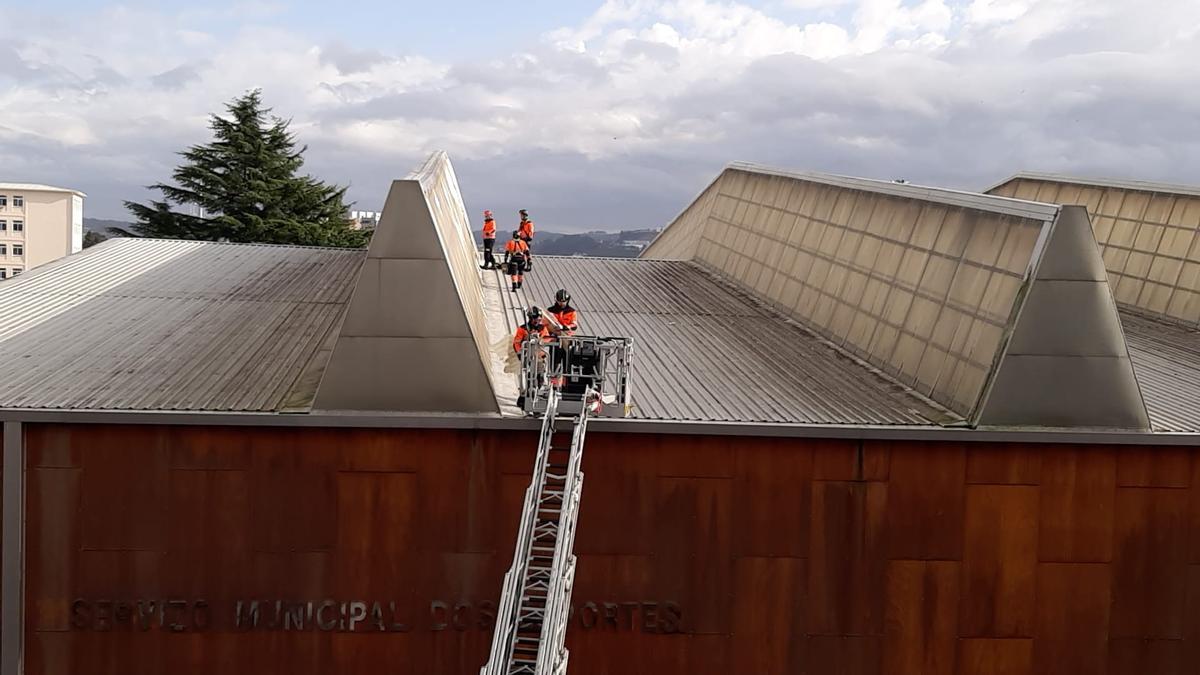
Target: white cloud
(815, 4)
(618, 120)
(983, 12)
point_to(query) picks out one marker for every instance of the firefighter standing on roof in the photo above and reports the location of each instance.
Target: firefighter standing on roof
(516, 256)
(526, 230)
(489, 241)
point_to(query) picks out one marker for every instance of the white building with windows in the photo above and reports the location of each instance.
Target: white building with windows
(38, 223)
(365, 220)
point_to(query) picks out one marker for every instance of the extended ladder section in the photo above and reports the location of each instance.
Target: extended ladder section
(531, 621)
(535, 604)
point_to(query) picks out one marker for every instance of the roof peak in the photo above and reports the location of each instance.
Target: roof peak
(1122, 183)
(38, 187)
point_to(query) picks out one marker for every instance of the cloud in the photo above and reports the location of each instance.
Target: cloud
(349, 61)
(816, 4)
(177, 77)
(619, 120)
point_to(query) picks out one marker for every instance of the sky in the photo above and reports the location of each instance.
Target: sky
(608, 115)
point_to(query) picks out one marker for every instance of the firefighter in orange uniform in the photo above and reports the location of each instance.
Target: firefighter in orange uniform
(489, 241)
(516, 256)
(534, 325)
(568, 323)
(564, 313)
(526, 230)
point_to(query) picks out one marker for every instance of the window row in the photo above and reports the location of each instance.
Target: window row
(9, 272)
(17, 249)
(17, 225)
(18, 201)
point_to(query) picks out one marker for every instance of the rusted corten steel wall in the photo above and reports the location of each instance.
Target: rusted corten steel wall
(742, 555)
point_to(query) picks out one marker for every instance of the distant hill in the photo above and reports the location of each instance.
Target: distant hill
(101, 225)
(597, 244)
(95, 230)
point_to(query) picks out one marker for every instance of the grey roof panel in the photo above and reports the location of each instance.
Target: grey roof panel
(706, 351)
(1166, 360)
(140, 324)
(1124, 184)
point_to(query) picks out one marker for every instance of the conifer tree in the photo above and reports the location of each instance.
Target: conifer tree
(245, 186)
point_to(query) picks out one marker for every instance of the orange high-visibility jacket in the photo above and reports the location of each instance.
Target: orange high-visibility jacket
(516, 247)
(526, 229)
(566, 316)
(489, 229)
(523, 335)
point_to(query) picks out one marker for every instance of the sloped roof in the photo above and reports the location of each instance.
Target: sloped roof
(36, 187)
(706, 351)
(722, 332)
(1166, 358)
(1146, 233)
(143, 324)
(1118, 183)
(940, 289)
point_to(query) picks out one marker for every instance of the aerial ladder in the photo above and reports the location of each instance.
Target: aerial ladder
(566, 381)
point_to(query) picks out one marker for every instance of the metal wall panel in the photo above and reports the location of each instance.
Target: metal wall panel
(1149, 543)
(919, 630)
(999, 561)
(1076, 505)
(1044, 580)
(1072, 621)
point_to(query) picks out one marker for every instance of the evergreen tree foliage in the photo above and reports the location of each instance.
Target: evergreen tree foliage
(91, 238)
(245, 186)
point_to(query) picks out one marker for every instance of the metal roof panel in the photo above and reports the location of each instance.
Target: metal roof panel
(141, 324)
(705, 350)
(1166, 360)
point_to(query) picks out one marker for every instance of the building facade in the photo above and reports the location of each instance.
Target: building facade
(38, 224)
(846, 450)
(365, 220)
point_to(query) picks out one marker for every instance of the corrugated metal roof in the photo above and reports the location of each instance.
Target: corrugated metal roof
(140, 324)
(704, 350)
(1124, 184)
(1166, 360)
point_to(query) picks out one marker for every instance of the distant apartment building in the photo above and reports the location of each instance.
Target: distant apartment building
(38, 223)
(365, 220)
